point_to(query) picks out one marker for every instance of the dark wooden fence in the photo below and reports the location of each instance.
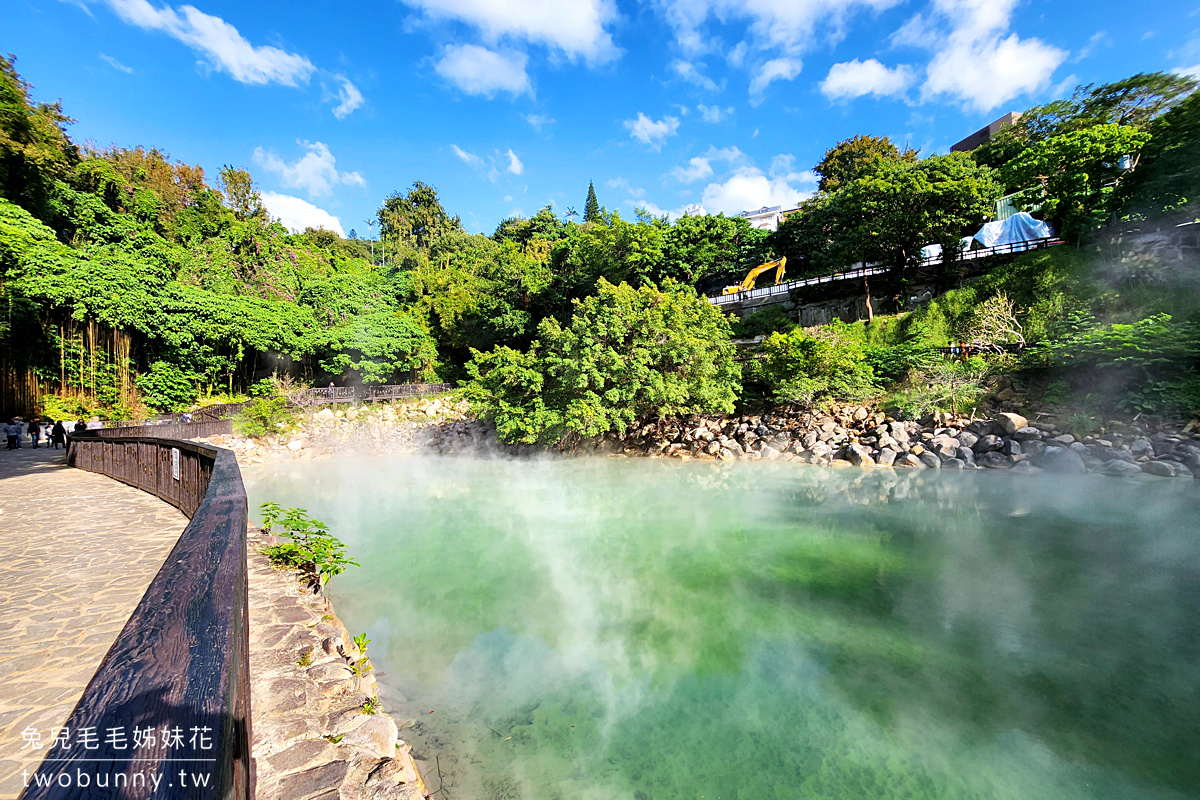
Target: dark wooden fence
(170, 430)
(180, 668)
(402, 390)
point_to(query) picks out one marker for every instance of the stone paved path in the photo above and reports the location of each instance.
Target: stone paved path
(77, 551)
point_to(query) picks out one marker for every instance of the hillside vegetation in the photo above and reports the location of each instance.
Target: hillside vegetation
(132, 283)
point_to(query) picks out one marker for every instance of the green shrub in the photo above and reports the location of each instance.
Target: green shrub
(954, 386)
(312, 547)
(628, 353)
(262, 417)
(168, 387)
(798, 367)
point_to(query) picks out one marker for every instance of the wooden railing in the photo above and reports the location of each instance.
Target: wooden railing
(398, 391)
(180, 667)
(170, 430)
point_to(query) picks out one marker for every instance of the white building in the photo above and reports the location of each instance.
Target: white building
(768, 218)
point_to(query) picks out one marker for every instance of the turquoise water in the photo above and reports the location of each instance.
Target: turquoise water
(628, 628)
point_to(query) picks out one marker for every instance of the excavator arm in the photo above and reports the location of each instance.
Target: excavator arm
(779, 265)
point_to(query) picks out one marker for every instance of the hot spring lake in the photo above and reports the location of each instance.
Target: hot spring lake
(640, 629)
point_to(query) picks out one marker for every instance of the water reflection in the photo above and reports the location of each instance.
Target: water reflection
(631, 628)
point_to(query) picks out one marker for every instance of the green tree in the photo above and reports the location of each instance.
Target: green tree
(591, 209)
(1167, 180)
(888, 214)
(241, 195)
(1080, 173)
(849, 159)
(416, 219)
(35, 150)
(805, 368)
(710, 248)
(378, 346)
(628, 353)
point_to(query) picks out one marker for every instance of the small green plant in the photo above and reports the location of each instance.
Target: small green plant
(263, 416)
(305, 659)
(329, 737)
(312, 547)
(371, 705)
(362, 665)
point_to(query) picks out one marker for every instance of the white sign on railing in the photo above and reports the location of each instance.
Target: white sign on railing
(175, 463)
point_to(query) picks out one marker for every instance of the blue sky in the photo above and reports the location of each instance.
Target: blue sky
(508, 105)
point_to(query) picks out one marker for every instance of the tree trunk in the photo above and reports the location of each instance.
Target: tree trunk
(870, 311)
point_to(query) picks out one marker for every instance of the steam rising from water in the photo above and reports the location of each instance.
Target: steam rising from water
(644, 629)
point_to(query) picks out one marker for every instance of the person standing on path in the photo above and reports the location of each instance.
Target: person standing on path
(12, 431)
(35, 432)
(58, 434)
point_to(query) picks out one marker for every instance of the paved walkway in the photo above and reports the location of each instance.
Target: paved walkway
(77, 551)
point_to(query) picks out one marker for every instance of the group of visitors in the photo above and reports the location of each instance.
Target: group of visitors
(44, 430)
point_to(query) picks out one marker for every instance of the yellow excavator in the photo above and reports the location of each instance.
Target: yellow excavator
(748, 282)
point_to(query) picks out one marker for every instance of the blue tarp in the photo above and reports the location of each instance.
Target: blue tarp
(1020, 227)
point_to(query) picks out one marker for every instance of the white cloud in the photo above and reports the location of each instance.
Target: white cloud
(349, 98)
(691, 73)
(714, 113)
(514, 164)
(478, 70)
(788, 25)
(774, 70)
(467, 158)
(117, 65)
(622, 183)
(537, 121)
(315, 171)
(297, 214)
(856, 78)
(1099, 39)
(700, 167)
(651, 132)
(576, 29)
(748, 188)
(225, 49)
(974, 62)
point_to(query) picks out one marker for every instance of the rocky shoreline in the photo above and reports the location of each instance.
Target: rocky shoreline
(318, 730)
(842, 435)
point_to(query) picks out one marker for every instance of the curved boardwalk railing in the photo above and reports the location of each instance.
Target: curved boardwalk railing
(167, 714)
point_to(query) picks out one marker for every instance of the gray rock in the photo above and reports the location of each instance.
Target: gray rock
(930, 460)
(910, 460)
(954, 463)
(1141, 447)
(1121, 469)
(1010, 423)
(980, 427)
(967, 439)
(886, 457)
(987, 444)
(1027, 434)
(1161, 469)
(966, 455)
(1026, 468)
(1066, 439)
(993, 459)
(857, 454)
(1011, 447)
(1062, 461)
(1034, 448)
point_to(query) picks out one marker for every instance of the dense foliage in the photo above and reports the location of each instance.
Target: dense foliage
(130, 283)
(627, 353)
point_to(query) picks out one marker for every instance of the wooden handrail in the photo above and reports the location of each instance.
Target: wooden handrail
(181, 663)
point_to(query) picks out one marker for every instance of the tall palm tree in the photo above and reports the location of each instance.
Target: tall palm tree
(570, 213)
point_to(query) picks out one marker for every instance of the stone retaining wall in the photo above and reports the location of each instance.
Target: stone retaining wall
(312, 737)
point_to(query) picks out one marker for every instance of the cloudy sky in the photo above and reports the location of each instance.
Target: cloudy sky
(508, 105)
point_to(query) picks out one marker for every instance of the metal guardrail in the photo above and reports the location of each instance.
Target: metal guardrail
(874, 269)
(179, 671)
(364, 394)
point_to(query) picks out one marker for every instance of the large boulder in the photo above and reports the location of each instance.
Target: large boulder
(930, 460)
(1122, 469)
(994, 459)
(1062, 461)
(987, 444)
(1161, 469)
(1027, 434)
(887, 457)
(857, 454)
(1010, 423)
